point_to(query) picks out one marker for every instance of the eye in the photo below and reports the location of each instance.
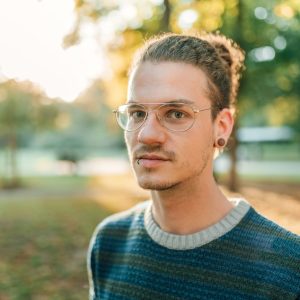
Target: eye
(137, 114)
(175, 114)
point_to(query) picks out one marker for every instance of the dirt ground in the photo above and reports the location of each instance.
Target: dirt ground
(278, 202)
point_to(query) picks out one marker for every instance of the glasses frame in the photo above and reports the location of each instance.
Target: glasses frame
(159, 105)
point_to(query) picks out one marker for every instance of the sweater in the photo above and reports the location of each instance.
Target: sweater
(243, 256)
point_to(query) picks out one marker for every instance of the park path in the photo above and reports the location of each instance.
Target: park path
(278, 202)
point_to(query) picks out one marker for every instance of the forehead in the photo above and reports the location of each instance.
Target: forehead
(165, 81)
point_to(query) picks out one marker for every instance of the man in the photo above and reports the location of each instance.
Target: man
(189, 241)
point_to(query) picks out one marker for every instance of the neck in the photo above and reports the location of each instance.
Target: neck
(190, 206)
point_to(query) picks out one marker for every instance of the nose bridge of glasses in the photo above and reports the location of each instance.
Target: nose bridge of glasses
(156, 111)
(152, 115)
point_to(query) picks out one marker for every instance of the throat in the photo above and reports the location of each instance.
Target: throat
(187, 216)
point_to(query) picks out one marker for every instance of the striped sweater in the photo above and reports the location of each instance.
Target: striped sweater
(243, 256)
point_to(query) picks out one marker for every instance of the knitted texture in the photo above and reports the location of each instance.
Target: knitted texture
(248, 257)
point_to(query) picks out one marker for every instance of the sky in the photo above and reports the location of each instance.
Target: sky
(31, 36)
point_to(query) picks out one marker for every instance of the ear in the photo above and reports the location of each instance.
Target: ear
(223, 125)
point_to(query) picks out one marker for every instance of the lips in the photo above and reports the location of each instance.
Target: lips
(152, 157)
(151, 160)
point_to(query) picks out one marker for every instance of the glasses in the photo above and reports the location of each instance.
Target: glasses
(173, 116)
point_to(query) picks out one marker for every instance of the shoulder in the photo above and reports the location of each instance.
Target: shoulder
(272, 237)
(268, 226)
(121, 221)
(113, 232)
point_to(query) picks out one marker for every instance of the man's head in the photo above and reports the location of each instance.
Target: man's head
(185, 85)
(217, 56)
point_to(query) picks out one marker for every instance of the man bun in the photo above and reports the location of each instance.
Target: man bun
(232, 57)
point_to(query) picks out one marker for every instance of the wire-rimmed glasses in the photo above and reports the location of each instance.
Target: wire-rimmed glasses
(175, 116)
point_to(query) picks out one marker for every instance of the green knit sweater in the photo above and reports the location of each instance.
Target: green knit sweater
(243, 256)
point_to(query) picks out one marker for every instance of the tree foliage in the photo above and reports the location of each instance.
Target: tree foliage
(24, 110)
(87, 126)
(28, 118)
(267, 30)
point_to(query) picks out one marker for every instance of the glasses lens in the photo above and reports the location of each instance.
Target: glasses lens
(176, 117)
(173, 116)
(131, 116)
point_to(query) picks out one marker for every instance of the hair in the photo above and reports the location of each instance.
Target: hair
(217, 56)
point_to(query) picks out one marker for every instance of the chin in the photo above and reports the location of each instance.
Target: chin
(156, 185)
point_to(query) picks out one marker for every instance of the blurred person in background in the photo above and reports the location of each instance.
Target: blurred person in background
(189, 241)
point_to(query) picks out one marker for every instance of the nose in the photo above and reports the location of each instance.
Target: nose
(152, 132)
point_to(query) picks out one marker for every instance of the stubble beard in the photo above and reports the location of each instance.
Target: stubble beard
(156, 185)
(149, 183)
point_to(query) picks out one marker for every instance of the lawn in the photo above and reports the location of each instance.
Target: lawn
(45, 231)
(46, 227)
(43, 247)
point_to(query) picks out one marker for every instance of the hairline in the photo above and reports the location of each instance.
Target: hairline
(175, 101)
(210, 90)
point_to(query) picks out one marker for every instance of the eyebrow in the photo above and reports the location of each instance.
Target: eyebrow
(165, 102)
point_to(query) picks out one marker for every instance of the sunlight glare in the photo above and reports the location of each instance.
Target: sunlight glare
(31, 47)
(187, 18)
(261, 54)
(260, 13)
(280, 42)
(157, 2)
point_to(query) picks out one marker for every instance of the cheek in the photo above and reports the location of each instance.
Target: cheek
(127, 141)
(204, 132)
(130, 140)
(198, 144)
(126, 137)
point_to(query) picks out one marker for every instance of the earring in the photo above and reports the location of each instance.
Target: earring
(221, 142)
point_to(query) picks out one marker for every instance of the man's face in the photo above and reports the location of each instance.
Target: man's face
(161, 158)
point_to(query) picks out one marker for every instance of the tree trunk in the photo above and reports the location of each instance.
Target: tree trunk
(165, 21)
(233, 182)
(13, 178)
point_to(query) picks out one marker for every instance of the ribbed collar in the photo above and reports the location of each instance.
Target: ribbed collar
(198, 239)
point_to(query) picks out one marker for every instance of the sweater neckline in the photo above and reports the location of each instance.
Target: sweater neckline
(198, 239)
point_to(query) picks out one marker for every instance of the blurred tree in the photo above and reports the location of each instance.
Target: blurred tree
(24, 109)
(272, 76)
(83, 128)
(267, 30)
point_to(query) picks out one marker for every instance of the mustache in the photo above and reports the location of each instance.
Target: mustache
(155, 149)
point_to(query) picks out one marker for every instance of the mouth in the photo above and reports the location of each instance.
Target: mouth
(151, 160)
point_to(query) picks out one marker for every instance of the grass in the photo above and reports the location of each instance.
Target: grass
(46, 228)
(45, 231)
(56, 182)
(223, 178)
(43, 247)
